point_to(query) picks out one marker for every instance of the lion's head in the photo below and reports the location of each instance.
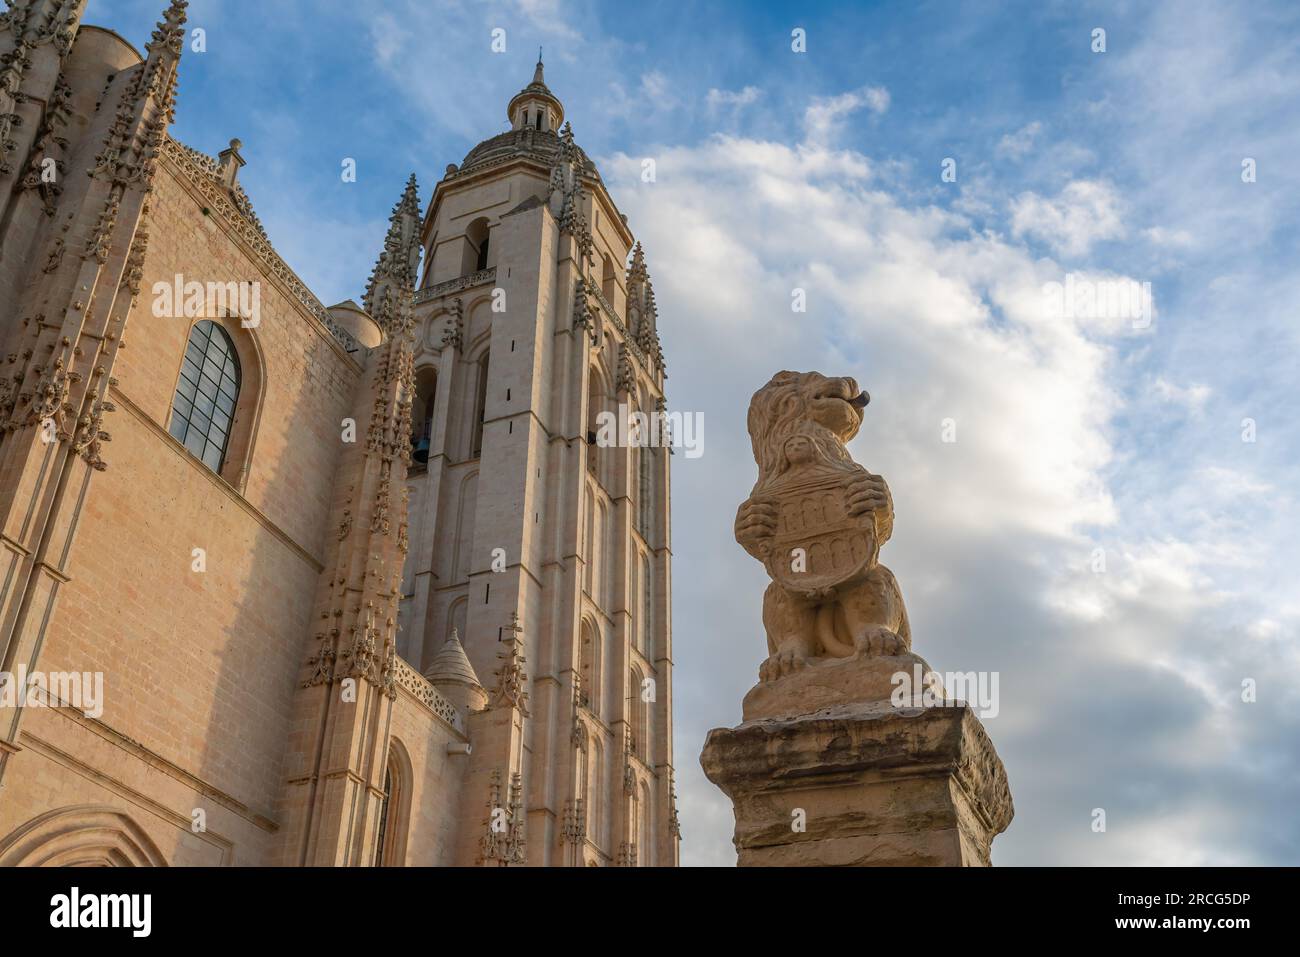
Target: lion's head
(827, 412)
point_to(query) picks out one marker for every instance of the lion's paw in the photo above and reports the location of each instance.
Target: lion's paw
(780, 664)
(879, 641)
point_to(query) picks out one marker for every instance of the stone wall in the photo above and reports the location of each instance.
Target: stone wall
(199, 667)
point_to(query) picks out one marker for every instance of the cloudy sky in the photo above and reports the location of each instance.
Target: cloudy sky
(1113, 529)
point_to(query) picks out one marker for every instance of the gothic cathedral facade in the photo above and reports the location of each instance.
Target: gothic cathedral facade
(283, 584)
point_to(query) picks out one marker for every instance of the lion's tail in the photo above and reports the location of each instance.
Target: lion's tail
(832, 630)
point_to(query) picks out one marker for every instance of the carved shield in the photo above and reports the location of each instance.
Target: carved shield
(836, 549)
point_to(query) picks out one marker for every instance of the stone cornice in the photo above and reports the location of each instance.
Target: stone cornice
(185, 161)
(459, 284)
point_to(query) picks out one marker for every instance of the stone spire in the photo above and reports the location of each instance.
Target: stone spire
(642, 313)
(392, 283)
(356, 634)
(451, 673)
(451, 663)
(534, 99)
(637, 271)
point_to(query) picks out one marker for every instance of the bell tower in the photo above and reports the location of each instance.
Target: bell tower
(543, 546)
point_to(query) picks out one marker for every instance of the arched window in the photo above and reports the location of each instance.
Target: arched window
(475, 256)
(596, 820)
(427, 260)
(589, 667)
(633, 615)
(635, 454)
(203, 408)
(595, 406)
(647, 609)
(390, 844)
(636, 711)
(600, 576)
(645, 499)
(480, 407)
(644, 827)
(589, 578)
(607, 278)
(426, 393)
(385, 812)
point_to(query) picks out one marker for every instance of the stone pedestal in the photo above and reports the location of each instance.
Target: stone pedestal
(876, 785)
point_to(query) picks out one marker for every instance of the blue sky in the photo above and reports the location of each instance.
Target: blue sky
(1120, 689)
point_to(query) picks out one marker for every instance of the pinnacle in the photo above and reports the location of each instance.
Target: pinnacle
(637, 270)
(400, 256)
(168, 35)
(410, 201)
(175, 13)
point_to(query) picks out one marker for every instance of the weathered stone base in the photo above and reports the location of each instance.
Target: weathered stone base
(833, 683)
(877, 786)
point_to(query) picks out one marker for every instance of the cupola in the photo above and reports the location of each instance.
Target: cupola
(535, 106)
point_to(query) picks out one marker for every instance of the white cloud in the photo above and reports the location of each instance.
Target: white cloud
(1018, 144)
(1162, 236)
(654, 87)
(1191, 396)
(937, 322)
(732, 98)
(825, 115)
(1083, 213)
(995, 532)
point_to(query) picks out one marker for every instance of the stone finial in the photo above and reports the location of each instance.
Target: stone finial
(229, 163)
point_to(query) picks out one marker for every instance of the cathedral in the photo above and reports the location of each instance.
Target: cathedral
(295, 585)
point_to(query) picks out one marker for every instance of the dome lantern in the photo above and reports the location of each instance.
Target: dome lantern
(535, 106)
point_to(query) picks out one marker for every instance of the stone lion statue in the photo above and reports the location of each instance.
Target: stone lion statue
(816, 519)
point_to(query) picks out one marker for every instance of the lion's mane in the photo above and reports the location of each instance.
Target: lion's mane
(779, 411)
